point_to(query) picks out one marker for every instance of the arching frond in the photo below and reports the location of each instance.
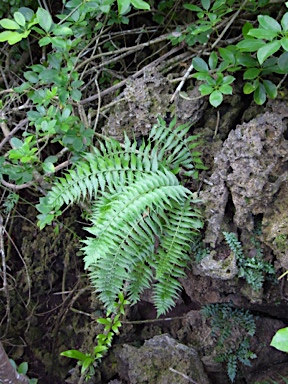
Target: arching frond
(122, 235)
(109, 167)
(173, 256)
(175, 149)
(142, 218)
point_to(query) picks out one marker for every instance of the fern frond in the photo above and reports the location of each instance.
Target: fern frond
(123, 236)
(175, 150)
(172, 257)
(110, 168)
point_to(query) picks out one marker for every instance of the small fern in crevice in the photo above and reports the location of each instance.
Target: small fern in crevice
(142, 218)
(252, 269)
(233, 329)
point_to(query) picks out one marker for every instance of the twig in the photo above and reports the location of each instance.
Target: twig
(134, 76)
(4, 273)
(9, 135)
(182, 374)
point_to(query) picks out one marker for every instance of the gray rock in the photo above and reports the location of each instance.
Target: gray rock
(161, 360)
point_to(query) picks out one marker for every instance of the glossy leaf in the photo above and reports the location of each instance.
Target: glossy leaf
(44, 19)
(250, 45)
(19, 18)
(227, 55)
(284, 43)
(216, 98)
(284, 22)
(192, 7)
(140, 4)
(270, 88)
(213, 60)
(74, 354)
(260, 95)
(248, 88)
(283, 61)
(9, 24)
(269, 23)
(123, 6)
(280, 340)
(200, 65)
(267, 50)
(261, 33)
(251, 73)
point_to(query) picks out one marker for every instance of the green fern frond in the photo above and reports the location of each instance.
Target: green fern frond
(122, 235)
(175, 149)
(142, 218)
(110, 167)
(173, 256)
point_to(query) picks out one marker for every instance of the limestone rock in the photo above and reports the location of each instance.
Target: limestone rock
(250, 167)
(151, 363)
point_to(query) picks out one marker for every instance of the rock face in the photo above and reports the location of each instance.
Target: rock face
(250, 168)
(152, 362)
(143, 100)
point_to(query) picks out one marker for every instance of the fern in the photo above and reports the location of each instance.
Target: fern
(137, 200)
(228, 322)
(252, 269)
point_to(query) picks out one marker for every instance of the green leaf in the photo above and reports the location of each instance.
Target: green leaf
(270, 88)
(140, 4)
(283, 61)
(213, 60)
(227, 55)
(20, 19)
(200, 65)
(48, 167)
(123, 6)
(26, 12)
(74, 354)
(62, 30)
(269, 23)
(246, 60)
(246, 28)
(251, 73)
(44, 19)
(205, 4)
(284, 22)
(192, 7)
(260, 95)
(280, 340)
(250, 45)
(44, 41)
(16, 143)
(260, 33)
(284, 43)
(228, 79)
(9, 24)
(267, 50)
(76, 95)
(23, 368)
(216, 98)
(205, 89)
(226, 89)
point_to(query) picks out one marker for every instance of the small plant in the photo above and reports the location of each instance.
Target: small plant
(252, 269)
(216, 84)
(111, 323)
(23, 369)
(199, 250)
(233, 329)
